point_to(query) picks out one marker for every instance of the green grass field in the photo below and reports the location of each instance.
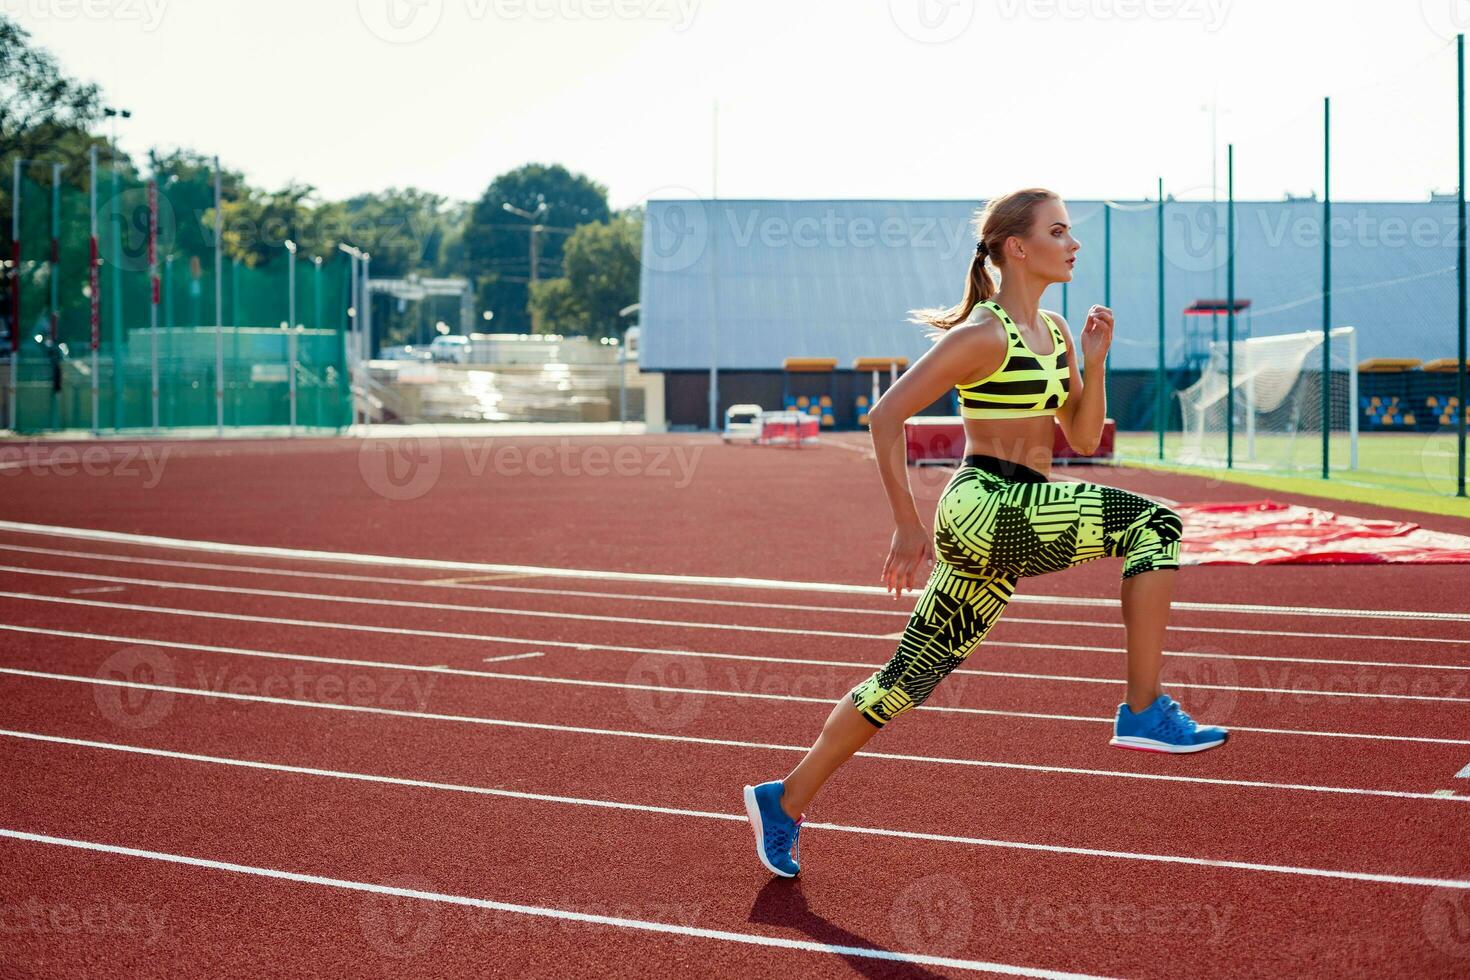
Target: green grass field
(1414, 471)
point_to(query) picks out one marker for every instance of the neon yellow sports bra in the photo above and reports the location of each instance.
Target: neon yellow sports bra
(1026, 385)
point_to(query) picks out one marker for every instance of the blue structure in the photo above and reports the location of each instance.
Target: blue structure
(767, 279)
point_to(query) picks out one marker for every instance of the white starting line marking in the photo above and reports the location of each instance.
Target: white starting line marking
(701, 740)
(1411, 880)
(755, 695)
(513, 656)
(106, 588)
(1008, 620)
(343, 557)
(1463, 773)
(751, 939)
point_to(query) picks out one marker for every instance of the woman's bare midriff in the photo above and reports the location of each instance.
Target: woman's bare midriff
(1025, 441)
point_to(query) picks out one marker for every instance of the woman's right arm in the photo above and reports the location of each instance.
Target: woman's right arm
(966, 351)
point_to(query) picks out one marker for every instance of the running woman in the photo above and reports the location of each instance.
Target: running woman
(1000, 518)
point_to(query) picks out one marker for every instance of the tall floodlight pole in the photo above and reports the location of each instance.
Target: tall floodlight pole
(352, 343)
(714, 306)
(94, 307)
(1230, 306)
(15, 256)
(1327, 289)
(1461, 368)
(1161, 404)
(219, 306)
(536, 228)
(54, 320)
(291, 328)
(153, 301)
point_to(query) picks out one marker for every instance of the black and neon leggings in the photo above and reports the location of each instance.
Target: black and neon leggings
(996, 522)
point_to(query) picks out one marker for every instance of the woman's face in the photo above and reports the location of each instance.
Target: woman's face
(1051, 251)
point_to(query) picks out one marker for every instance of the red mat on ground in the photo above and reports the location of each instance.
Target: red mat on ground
(1264, 532)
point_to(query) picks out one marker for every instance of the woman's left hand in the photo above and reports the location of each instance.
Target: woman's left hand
(1097, 332)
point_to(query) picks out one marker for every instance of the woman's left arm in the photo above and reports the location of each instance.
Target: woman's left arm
(1081, 415)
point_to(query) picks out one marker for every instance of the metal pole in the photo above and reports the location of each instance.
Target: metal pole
(1161, 404)
(15, 296)
(219, 307)
(1353, 399)
(93, 299)
(153, 298)
(119, 342)
(1230, 306)
(622, 382)
(316, 293)
(291, 328)
(1107, 255)
(714, 306)
(535, 314)
(170, 320)
(367, 306)
(1327, 289)
(54, 318)
(1460, 265)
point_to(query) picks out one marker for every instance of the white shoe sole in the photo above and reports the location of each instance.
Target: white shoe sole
(1152, 745)
(753, 811)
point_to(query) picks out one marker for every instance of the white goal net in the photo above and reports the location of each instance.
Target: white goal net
(1275, 400)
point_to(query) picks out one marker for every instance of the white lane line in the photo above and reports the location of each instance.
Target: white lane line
(731, 743)
(378, 602)
(538, 614)
(740, 818)
(1009, 675)
(644, 925)
(345, 557)
(643, 597)
(754, 695)
(513, 656)
(96, 591)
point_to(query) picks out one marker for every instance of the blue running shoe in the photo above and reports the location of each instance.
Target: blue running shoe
(1164, 727)
(776, 834)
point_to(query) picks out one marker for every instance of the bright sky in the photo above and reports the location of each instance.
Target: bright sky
(835, 99)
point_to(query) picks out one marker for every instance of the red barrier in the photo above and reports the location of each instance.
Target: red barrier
(941, 439)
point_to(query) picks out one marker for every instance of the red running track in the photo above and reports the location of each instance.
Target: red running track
(367, 795)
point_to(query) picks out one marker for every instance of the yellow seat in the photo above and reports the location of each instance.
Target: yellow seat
(802, 401)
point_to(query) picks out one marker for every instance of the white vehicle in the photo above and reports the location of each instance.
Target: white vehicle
(407, 352)
(743, 423)
(452, 348)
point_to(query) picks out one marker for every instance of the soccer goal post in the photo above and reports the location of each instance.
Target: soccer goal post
(1275, 403)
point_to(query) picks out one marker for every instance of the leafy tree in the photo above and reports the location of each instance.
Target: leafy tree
(602, 268)
(496, 247)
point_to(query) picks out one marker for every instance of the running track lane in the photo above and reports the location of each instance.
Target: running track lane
(443, 638)
(521, 853)
(671, 693)
(1393, 835)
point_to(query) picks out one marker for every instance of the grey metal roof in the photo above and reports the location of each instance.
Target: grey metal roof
(836, 278)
